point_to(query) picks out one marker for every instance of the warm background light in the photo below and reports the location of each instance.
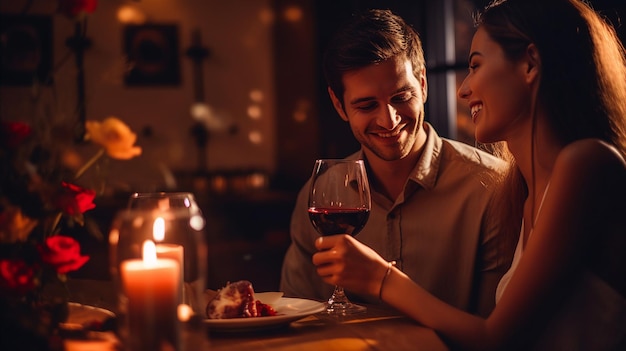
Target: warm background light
(255, 137)
(184, 312)
(293, 13)
(254, 112)
(200, 111)
(256, 95)
(130, 14)
(266, 16)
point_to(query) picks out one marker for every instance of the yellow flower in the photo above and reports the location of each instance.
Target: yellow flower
(115, 136)
(14, 225)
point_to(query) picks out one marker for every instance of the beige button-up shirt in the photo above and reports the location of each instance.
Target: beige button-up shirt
(437, 230)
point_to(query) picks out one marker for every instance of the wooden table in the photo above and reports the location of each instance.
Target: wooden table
(377, 329)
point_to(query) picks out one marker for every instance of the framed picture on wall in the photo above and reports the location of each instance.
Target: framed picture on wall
(25, 50)
(152, 55)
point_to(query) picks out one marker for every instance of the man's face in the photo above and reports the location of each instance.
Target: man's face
(384, 105)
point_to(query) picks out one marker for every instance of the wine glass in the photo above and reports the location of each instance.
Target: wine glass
(339, 203)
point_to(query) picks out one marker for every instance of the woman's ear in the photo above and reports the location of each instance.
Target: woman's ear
(338, 105)
(533, 63)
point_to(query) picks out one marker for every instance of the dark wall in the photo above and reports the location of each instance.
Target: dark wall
(295, 79)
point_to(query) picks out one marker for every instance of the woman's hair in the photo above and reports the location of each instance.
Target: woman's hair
(583, 71)
(370, 37)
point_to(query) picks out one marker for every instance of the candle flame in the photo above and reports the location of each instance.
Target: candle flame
(149, 253)
(158, 229)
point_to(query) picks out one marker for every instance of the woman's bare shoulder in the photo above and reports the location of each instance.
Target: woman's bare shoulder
(590, 170)
(593, 156)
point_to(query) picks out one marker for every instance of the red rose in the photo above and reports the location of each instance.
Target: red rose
(13, 133)
(63, 253)
(75, 199)
(16, 276)
(73, 8)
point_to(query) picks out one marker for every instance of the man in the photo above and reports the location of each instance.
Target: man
(430, 196)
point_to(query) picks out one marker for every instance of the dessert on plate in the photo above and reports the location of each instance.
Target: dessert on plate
(236, 300)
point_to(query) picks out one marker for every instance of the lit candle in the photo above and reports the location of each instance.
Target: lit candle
(151, 286)
(91, 344)
(171, 251)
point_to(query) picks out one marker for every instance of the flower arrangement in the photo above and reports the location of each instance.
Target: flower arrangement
(40, 203)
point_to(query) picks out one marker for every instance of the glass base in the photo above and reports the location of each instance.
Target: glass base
(343, 309)
(339, 305)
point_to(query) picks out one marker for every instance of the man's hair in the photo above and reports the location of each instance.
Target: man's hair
(370, 37)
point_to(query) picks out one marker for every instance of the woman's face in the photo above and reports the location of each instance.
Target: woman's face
(496, 89)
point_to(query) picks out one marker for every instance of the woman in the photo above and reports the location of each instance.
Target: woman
(548, 78)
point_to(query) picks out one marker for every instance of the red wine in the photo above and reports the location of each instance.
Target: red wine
(331, 221)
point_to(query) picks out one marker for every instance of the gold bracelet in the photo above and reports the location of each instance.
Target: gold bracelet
(382, 283)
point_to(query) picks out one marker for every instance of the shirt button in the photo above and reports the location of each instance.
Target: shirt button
(391, 216)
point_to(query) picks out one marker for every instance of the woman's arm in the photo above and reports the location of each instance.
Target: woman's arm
(585, 175)
(586, 178)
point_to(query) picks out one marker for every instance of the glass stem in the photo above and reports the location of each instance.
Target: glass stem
(339, 297)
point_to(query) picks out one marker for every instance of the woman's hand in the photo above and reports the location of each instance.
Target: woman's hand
(344, 261)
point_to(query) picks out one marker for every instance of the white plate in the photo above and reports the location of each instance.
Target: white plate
(84, 313)
(288, 310)
(76, 337)
(81, 315)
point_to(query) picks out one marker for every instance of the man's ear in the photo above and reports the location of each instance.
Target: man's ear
(424, 84)
(338, 105)
(533, 63)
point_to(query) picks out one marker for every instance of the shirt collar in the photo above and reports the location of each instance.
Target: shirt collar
(427, 167)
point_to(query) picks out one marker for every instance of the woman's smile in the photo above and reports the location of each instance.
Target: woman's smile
(475, 109)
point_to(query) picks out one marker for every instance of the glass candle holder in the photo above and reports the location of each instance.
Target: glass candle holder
(158, 264)
(164, 201)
